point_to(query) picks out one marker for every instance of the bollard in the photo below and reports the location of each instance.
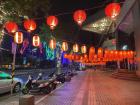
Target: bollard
(27, 100)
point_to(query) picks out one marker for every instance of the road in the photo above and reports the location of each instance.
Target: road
(90, 88)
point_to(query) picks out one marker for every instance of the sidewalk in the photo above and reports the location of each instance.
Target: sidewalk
(88, 88)
(94, 88)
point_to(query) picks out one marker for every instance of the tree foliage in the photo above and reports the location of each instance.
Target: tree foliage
(13, 9)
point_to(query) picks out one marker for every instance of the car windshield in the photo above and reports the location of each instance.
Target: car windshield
(4, 75)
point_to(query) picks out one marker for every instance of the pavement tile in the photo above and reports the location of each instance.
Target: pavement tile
(95, 88)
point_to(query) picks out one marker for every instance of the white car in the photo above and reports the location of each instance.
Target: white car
(5, 83)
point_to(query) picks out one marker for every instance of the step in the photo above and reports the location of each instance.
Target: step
(126, 78)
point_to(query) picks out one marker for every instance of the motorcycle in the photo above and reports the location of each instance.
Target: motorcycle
(39, 86)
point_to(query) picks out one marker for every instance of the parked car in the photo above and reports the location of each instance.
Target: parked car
(5, 83)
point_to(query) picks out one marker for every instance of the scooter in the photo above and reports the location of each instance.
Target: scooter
(39, 86)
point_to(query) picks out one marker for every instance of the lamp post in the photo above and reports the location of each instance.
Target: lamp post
(14, 47)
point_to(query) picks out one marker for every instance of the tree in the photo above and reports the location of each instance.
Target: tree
(15, 10)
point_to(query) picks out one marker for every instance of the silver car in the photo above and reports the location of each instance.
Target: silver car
(5, 83)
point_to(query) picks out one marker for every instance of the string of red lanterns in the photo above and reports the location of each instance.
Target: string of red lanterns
(112, 10)
(111, 55)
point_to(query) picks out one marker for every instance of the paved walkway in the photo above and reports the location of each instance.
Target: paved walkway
(94, 88)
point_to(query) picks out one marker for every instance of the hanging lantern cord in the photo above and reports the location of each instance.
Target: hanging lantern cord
(52, 33)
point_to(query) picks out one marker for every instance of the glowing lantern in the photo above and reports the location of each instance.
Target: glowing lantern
(85, 56)
(112, 10)
(18, 37)
(64, 46)
(72, 57)
(131, 54)
(52, 44)
(116, 55)
(65, 55)
(11, 26)
(77, 57)
(36, 40)
(124, 54)
(83, 49)
(29, 25)
(81, 58)
(120, 55)
(106, 52)
(75, 48)
(111, 55)
(91, 53)
(52, 21)
(79, 16)
(94, 57)
(100, 52)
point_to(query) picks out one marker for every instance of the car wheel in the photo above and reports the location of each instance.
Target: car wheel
(17, 88)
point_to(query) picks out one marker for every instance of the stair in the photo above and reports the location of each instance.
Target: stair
(126, 75)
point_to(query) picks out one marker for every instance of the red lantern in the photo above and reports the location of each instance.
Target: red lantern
(85, 56)
(79, 16)
(11, 26)
(131, 54)
(36, 40)
(120, 55)
(64, 46)
(52, 44)
(75, 48)
(65, 55)
(124, 54)
(52, 21)
(77, 57)
(111, 55)
(116, 55)
(91, 53)
(94, 58)
(100, 52)
(112, 10)
(29, 25)
(83, 49)
(18, 37)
